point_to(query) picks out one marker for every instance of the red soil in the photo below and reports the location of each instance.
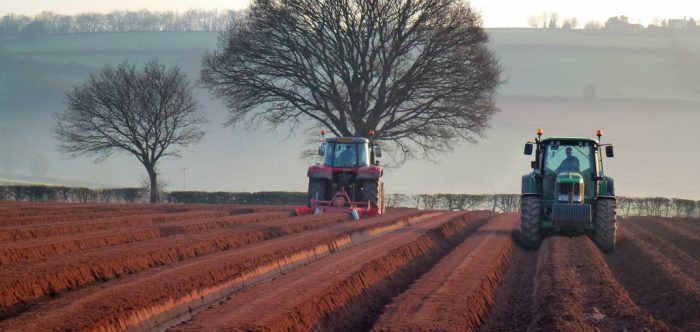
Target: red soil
(575, 291)
(134, 301)
(199, 267)
(322, 295)
(660, 278)
(465, 282)
(677, 234)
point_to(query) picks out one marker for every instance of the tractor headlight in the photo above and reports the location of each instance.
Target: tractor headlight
(569, 192)
(565, 198)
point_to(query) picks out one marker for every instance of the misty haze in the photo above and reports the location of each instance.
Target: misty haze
(641, 88)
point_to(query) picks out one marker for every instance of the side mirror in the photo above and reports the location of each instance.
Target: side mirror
(533, 164)
(322, 149)
(377, 151)
(609, 151)
(528, 149)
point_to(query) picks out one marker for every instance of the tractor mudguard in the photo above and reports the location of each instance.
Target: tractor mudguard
(529, 185)
(320, 172)
(369, 173)
(606, 187)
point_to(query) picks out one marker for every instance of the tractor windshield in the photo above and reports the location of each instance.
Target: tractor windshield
(346, 155)
(568, 157)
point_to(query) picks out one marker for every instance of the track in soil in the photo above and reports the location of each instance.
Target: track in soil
(199, 267)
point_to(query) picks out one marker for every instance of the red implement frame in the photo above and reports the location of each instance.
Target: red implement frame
(340, 203)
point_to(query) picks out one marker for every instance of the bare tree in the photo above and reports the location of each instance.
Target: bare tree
(569, 23)
(553, 21)
(418, 73)
(593, 25)
(533, 21)
(145, 112)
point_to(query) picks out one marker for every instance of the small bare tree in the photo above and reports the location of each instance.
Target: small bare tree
(417, 72)
(124, 109)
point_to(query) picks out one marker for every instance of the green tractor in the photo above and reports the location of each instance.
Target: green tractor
(567, 191)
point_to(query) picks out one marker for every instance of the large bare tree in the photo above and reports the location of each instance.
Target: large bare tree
(146, 112)
(417, 72)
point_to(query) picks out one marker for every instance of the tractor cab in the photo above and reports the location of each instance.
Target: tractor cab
(344, 152)
(567, 190)
(349, 179)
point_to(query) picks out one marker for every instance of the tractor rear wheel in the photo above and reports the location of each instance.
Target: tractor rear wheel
(317, 190)
(530, 226)
(605, 224)
(373, 191)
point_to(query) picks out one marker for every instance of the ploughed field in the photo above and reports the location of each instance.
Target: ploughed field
(225, 267)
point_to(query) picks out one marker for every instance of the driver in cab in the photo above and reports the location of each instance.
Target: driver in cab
(569, 164)
(346, 157)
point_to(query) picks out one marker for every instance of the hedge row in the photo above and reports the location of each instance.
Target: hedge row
(69, 194)
(627, 206)
(221, 197)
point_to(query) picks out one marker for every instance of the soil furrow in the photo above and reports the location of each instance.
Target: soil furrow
(20, 285)
(47, 247)
(654, 282)
(134, 301)
(512, 309)
(667, 231)
(345, 291)
(575, 290)
(457, 292)
(673, 256)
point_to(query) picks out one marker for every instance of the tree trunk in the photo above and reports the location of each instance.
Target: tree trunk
(153, 176)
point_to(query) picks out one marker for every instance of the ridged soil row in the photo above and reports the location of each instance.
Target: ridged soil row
(667, 230)
(61, 212)
(346, 291)
(20, 233)
(576, 291)
(24, 211)
(21, 284)
(660, 278)
(20, 251)
(458, 291)
(135, 301)
(691, 225)
(512, 309)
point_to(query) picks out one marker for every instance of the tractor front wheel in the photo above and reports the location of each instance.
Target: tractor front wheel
(530, 226)
(317, 190)
(605, 224)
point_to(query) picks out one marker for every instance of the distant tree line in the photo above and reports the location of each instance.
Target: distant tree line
(658, 207)
(626, 206)
(34, 193)
(256, 198)
(24, 27)
(456, 202)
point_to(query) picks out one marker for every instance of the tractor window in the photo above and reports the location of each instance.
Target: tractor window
(567, 157)
(346, 155)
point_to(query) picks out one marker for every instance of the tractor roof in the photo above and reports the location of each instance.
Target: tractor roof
(347, 140)
(570, 139)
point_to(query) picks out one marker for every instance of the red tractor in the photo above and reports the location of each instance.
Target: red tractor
(349, 180)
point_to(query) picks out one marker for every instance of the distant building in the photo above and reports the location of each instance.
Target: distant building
(678, 24)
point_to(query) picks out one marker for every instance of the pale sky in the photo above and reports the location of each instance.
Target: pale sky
(496, 13)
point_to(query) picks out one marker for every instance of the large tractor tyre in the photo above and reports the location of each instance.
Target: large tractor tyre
(605, 224)
(372, 192)
(317, 190)
(530, 226)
